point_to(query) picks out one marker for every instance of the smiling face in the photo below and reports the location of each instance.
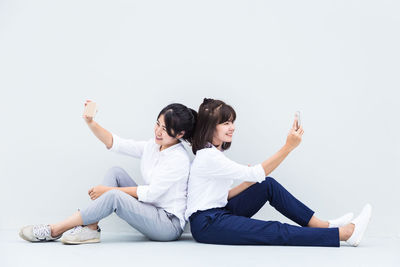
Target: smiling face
(223, 133)
(161, 136)
(215, 124)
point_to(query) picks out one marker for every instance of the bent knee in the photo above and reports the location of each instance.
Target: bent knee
(116, 169)
(269, 182)
(269, 179)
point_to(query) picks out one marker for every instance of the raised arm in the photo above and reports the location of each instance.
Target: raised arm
(292, 141)
(101, 133)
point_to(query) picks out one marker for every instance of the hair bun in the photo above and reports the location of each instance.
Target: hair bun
(207, 100)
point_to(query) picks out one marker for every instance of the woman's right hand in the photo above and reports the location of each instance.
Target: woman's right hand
(87, 118)
(294, 137)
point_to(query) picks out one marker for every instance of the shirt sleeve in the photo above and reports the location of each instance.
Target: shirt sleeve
(219, 166)
(170, 173)
(128, 146)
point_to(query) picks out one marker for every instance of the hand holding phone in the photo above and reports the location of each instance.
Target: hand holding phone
(296, 132)
(89, 111)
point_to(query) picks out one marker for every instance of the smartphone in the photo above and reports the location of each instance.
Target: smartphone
(90, 109)
(297, 115)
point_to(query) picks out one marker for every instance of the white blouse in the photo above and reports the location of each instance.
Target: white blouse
(165, 173)
(211, 177)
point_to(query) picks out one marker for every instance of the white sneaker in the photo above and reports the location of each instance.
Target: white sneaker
(81, 235)
(37, 233)
(341, 221)
(361, 223)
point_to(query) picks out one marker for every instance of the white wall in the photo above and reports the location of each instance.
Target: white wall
(336, 61)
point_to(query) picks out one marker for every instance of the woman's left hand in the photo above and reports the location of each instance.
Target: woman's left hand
(98, 190)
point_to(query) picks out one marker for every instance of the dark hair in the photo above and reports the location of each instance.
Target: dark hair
(211, 112)
(178, 118)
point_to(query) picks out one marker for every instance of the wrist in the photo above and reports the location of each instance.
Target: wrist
(90, 123)
(287, 148)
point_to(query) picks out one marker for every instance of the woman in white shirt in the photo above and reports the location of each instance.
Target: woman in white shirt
(155, 209)
(220, 215)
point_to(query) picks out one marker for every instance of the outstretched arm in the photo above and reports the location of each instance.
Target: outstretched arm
(98, 190)
(102, 134)
(292, 141)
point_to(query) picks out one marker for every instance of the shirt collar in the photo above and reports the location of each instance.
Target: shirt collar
(167, 150)
(210, 145)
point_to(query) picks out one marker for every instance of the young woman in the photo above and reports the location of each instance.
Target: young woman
(219, 215)
(155, 209)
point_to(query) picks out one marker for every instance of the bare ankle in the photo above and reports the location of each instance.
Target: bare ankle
(93, 226)
(317, 223)
(346, 231)
(54, 231)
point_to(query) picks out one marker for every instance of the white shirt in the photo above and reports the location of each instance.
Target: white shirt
(211, 177)
(165, 173)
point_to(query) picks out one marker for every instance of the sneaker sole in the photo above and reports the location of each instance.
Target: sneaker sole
(89, 241)
(364, 230)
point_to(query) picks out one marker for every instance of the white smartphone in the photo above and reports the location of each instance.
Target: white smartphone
(298, 117)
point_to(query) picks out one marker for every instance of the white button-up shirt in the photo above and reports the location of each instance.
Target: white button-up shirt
(165, 173)
(211, 177)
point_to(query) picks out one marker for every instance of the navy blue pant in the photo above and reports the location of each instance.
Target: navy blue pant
(232, 224)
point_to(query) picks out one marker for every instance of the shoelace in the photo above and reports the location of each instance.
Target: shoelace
(76, 229)
(41, 231)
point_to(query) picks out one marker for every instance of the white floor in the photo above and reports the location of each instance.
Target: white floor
(131, 249)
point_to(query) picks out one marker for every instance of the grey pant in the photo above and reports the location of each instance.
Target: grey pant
(153, 222)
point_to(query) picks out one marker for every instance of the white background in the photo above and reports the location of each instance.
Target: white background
(336, 61)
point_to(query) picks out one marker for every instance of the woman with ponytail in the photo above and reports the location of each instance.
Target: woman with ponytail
(220, 215)
(156, 209)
